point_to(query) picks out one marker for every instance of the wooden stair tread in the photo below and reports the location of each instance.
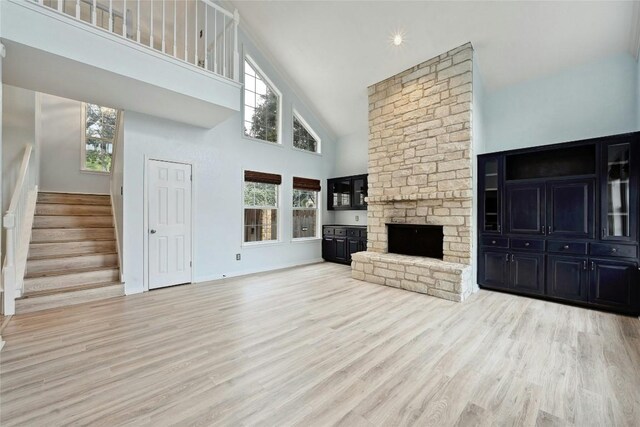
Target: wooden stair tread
(79, 199)
(35, 294)
(71, 209)
(60, 300)
(61, 257)
(70, 272)
(65, 235)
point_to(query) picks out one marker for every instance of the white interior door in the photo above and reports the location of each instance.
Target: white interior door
(169, 232)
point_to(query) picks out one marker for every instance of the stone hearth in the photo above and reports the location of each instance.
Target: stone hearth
(420, 172)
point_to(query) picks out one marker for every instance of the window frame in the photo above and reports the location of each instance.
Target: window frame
(83, 140)
(278, 239)
(295, 115)
(267, 80)
(318, 216)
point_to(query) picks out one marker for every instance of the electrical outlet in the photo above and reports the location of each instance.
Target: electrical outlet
(237, 257)
(357, 218)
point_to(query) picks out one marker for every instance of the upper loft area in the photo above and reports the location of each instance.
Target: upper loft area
(175, 59)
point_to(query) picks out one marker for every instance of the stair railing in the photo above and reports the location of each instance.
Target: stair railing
(17, 222)
(199, 32)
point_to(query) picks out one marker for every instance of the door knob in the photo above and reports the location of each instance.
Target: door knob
(152, 231)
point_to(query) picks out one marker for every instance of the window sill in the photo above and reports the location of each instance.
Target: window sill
(306, 239)
(273, 144)
(95, 172)
(262, 244)
(315, 153)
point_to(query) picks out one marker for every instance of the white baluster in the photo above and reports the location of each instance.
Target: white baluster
(236, 54)
(175, 28)
(151, 25)
(138, 23)
(110, 15)
(77, 9)
(195, 40)
(60, 6)
(163, 25)
(186, 25)
(204, 43)
(224, 45)
(215, 41)
(94, 15)
(124, 19)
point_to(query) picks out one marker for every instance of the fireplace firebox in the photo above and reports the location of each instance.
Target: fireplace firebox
(416, 240)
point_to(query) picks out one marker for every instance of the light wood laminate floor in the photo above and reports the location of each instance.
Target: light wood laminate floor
(310, 346)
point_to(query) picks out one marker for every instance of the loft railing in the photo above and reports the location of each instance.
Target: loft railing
(195, 31)
(17, 223)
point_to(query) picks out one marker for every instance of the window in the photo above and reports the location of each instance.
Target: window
(303, 137)
(100, 127)
(305, 207)
(261, 206)
(261, 106)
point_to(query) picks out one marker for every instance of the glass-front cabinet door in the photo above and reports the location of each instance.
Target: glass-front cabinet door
(340, 193)
(490, 194)
(359, 192)
(618, 195)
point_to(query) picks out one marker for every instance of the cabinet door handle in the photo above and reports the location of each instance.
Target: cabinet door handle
(566, 247)
(548, 229)
(527, 244)
(512, 258)
(543, 229)
(499, 229)
(507, 258)
(493, 242)
(593, 266)
(584, 265)
(614, 250)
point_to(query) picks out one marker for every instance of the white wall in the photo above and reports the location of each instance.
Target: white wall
(478, 143)
(61, 139)
(18, 130)
(219, 157)
(591, 100)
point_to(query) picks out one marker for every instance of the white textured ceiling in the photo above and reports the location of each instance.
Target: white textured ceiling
(333, 50)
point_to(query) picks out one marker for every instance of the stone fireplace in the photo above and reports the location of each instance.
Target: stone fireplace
(420, 173)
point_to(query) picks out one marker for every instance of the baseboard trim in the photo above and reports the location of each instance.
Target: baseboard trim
(219, 277)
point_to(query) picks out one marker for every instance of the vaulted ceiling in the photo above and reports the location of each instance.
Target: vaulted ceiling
(333, 50)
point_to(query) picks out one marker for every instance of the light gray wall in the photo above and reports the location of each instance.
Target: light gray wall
(219, 156)
(591, 100)
(61, 138)
(18, 130)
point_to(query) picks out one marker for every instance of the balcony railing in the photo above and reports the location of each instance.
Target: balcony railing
(195, 31)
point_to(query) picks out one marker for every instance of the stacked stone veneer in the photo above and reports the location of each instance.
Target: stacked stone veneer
(420, 165)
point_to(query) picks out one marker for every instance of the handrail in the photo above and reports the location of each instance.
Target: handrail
(204, 34)
(13, 220)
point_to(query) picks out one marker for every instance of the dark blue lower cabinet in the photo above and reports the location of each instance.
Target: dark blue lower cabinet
(340, 249)
(493, 269)
(614, 283)
(526, 271)
(328, 248)
(568, 277)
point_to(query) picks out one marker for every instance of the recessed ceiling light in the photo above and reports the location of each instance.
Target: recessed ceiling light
(397, 38)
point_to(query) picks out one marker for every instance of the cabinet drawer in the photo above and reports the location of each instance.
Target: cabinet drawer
(328, 231)
(607, 249)
(567, 247)
(353, 232)
(340, 232)
(527, 244)
(496, 242)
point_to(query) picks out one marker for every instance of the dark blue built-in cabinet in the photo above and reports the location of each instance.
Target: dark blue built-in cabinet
(561, 222)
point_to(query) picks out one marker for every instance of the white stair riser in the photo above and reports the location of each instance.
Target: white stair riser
(40, 221)
(38, 250)
(71, 234)
(70, 280)
(39, 266)
(44, 302)
(53, 209)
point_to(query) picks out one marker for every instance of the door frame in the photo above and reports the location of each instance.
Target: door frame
(145, 263)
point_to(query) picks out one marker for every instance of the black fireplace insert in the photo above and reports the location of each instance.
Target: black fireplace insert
(416, 240)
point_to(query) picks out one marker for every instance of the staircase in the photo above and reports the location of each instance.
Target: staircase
(72, 254)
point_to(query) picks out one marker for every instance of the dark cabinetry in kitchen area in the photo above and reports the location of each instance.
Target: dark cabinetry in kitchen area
(347, 193)
(561, 222)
